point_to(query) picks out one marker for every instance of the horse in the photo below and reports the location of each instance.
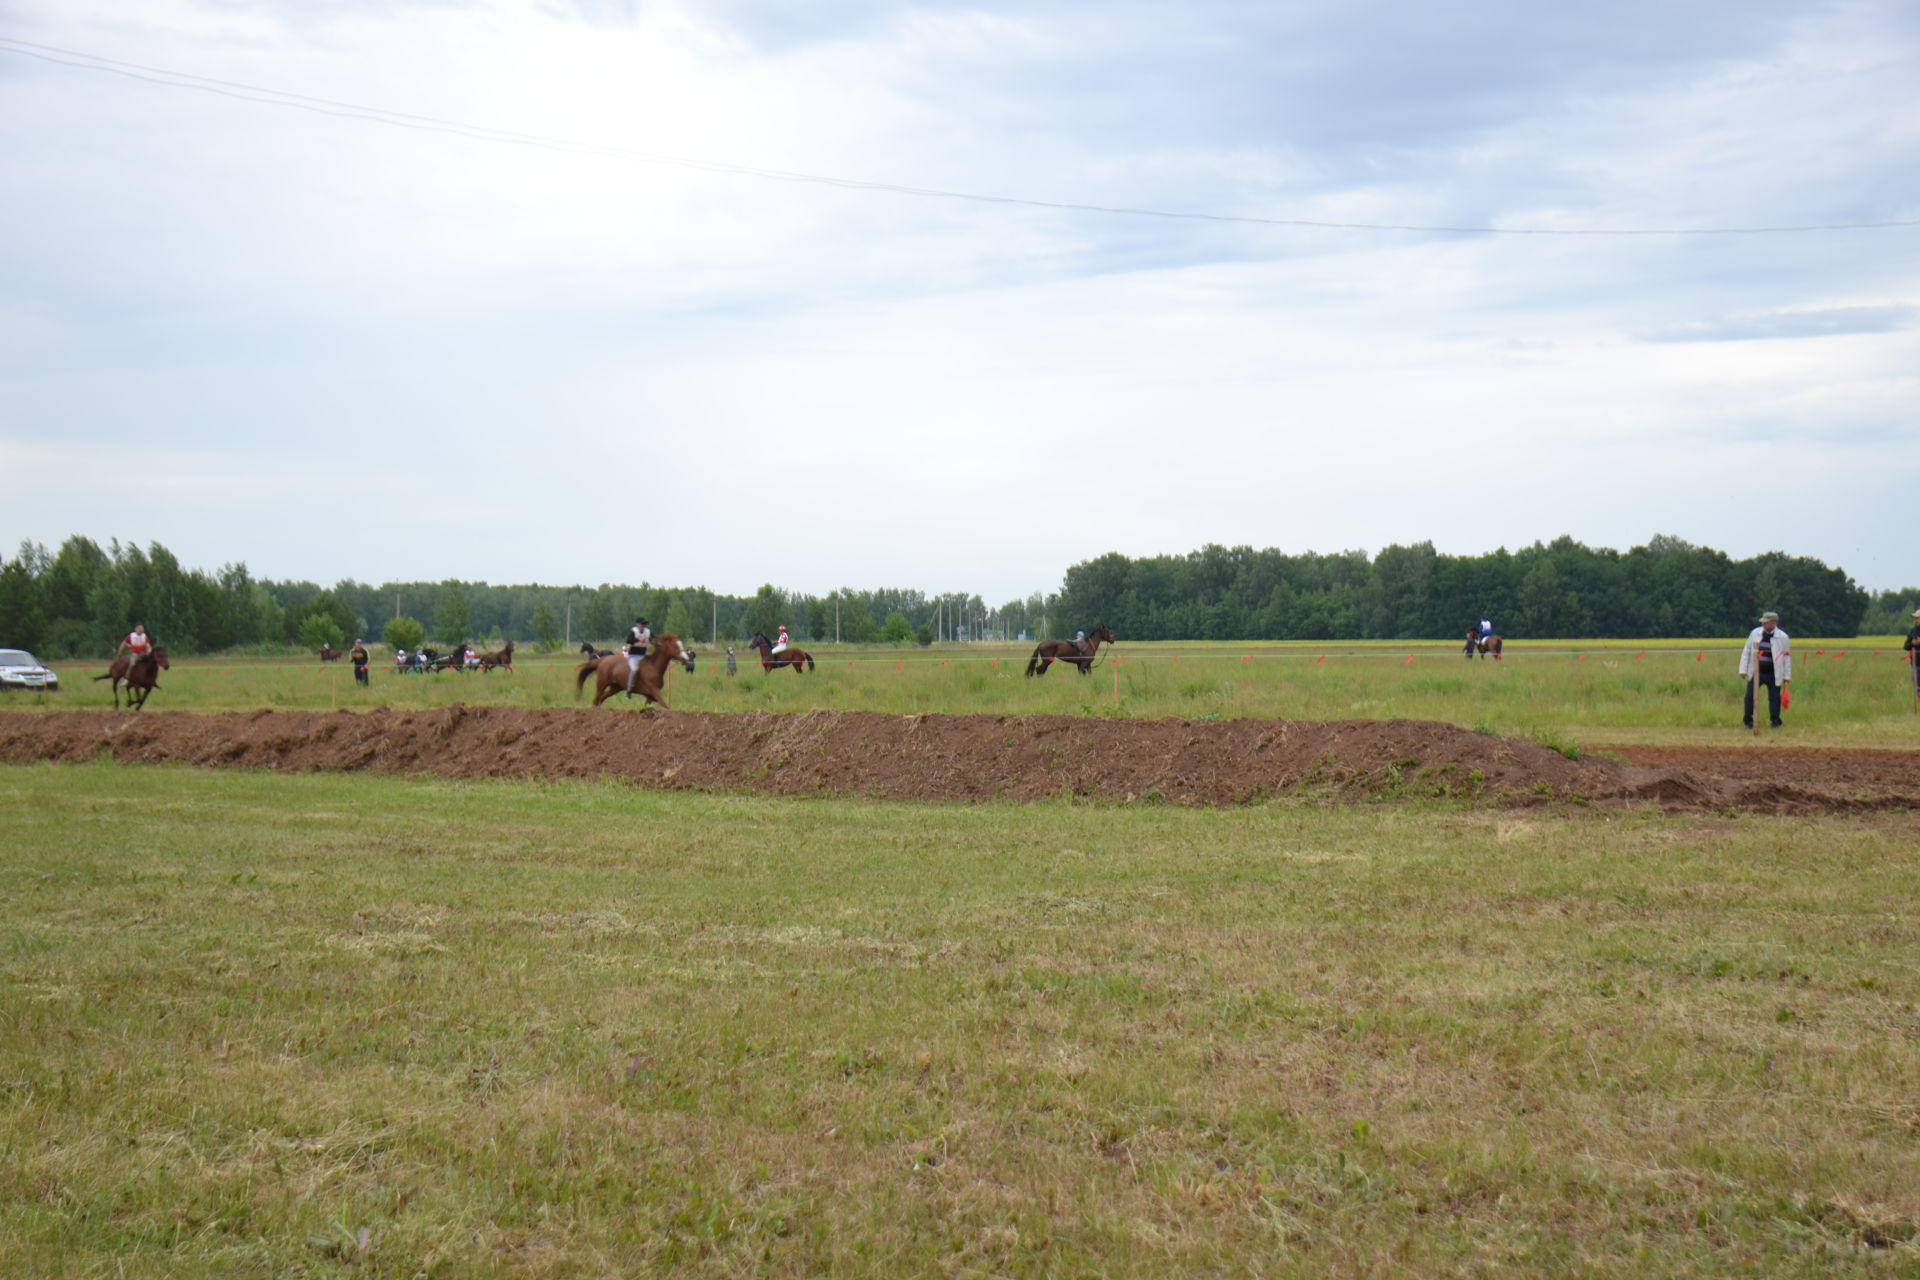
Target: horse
(649, 681)
(331, 655)
(587, 648)
(792, 656)
(1482, 647)
(1047, 652)
(502, 658)
(142, 673)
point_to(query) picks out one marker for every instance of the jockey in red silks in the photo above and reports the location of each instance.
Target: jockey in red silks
(782, 642)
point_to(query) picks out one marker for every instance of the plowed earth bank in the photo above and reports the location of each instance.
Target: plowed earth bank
(949, 757)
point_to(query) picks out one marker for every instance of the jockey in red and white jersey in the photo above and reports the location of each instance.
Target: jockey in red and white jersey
(138, 643)
(780, 644)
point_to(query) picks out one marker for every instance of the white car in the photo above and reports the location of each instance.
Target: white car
(21, 670)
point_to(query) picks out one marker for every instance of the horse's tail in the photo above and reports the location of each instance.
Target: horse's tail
(809, 662)
(1034, 661)
(580, 676)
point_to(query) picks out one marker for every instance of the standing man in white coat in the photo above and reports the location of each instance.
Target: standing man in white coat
(1767, 660)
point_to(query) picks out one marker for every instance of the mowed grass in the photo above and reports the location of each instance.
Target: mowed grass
(362, 1025)
(1844, 692)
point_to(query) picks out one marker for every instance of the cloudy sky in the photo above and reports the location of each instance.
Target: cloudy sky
(623, 291)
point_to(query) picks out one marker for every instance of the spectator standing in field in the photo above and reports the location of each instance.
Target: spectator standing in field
(359, 658)
(639, 637)
(1913, 650)
(733, 666)
(1768, 660)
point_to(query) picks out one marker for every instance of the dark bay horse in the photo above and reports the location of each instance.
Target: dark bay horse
(331, 655)
(502, 658)
(1482, 647)
(142, 675)
(587, 648)
(1047, 652)
(791, 656)
(649, 681)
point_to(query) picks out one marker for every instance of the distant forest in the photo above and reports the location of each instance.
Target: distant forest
(78, 601)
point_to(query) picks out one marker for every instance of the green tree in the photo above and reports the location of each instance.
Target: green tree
(22, 623)
(678, 621)
(766, 611)
(896, 629)
(318, 631)
(450, 622)
(545, 625)
(404, 633)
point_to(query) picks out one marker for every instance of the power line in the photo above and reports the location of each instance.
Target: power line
(377, 115)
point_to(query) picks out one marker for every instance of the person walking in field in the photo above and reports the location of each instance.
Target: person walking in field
(1913, 650)
(639, 639)
(358, 656)
(1767, 659)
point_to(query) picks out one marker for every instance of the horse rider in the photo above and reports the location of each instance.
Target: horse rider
(781, 644)
(358, 656)
(399, 659)
(1080, 641)
(136, 646)
(1486, 631)
(639, 638)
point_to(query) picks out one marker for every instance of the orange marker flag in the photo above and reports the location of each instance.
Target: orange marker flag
(1408, 662)
(1322, 658)
(1248, 658)
(1700, 656)
(1786, 696)
(1580, 657)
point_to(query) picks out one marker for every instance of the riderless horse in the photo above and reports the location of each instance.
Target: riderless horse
(1081, 654)
(791, 656)
(587, 648)
(142, 675)
(501, 658)
(649, 680)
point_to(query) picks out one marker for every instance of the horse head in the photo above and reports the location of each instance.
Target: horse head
(759, 640)
(1102, 634)
(160, 658)
(674, 650)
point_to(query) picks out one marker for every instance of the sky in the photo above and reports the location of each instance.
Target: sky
(953, 296)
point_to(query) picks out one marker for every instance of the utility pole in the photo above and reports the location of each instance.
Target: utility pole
(569, 624)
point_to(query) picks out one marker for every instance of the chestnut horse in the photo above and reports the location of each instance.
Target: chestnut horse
(1047, 652)
(1490, 645)
(649, 681)
(503, 658)
(141, 674)
(792, 656)
(331, 655)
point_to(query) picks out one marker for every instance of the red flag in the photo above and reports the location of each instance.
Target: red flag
(1322, 658)
(1786, 696)
(1408, 662)
(1700, 656)
(1248, 658)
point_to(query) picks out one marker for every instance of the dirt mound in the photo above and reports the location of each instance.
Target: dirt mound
(947, 757)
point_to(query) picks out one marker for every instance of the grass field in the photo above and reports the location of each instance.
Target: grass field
(360, 1025)
(1674, 691)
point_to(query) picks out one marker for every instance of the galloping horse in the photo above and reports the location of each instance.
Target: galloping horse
(649, 681)
(1047, 652)
(587, 648)
(503, 658)
(792, 656)
(1482, 647)
(142, 674)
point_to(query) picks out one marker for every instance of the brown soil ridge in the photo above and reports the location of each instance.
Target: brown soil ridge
(978, 757)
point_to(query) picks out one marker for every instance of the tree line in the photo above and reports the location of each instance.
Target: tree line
(80, 600)
(1564, 588)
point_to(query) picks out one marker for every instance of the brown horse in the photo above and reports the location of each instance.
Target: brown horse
(142, 674)
(649, 681)
(331, 655)
(1482, 647)
(792, 656)
(1047, 652)
(503, 658)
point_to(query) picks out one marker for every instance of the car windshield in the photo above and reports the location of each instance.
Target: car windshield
(16, 658)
